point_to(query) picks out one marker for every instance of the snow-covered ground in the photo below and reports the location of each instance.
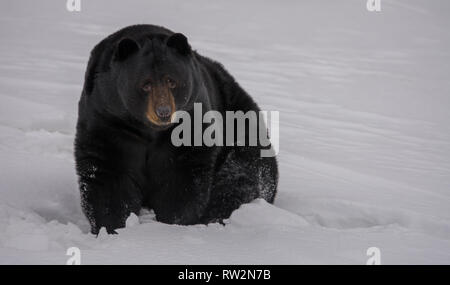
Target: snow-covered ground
(364, 103)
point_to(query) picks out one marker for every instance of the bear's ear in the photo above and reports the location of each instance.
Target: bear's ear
(124, 49)
(180, 43)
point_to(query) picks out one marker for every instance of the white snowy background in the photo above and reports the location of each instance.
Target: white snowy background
(364, 103)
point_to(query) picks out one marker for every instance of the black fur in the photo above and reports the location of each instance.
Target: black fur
(124, 162)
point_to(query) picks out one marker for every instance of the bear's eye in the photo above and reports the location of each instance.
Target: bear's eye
(170, 82)
(147, 87)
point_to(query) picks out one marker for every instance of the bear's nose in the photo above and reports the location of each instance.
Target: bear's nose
(164, 112)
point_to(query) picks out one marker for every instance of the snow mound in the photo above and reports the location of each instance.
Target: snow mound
(260, 213)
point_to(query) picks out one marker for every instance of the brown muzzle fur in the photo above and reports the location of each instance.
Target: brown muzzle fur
(160, 96)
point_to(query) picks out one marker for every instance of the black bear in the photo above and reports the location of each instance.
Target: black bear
(136, 79)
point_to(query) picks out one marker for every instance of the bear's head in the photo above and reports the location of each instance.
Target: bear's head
(154, 77)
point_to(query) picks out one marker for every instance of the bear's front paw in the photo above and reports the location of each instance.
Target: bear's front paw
(110, 223)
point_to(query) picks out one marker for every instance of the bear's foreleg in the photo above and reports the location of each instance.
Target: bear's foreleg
(110, 180)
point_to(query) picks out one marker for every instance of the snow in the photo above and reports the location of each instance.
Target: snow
(364, 131)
